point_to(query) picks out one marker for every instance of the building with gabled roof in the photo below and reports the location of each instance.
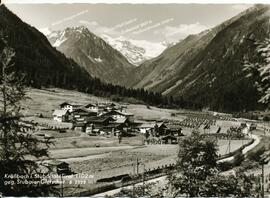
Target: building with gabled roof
(82, 114)
(61, 115)
(117, 115)
(69, 106)
(160, 127)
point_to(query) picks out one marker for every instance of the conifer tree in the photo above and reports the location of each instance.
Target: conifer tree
(20, 150)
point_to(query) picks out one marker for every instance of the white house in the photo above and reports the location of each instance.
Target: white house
(60, 115)
(70, 107)
(144, 127)
(116, 115)
(92, 107)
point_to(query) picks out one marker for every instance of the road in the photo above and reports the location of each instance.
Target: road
(246, 149)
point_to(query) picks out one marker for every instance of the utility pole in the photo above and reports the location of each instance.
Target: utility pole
(230, 145)
(137, 163)
(262, 180)
(264, 128)
(264, 160)
(62, 187)
(133, 184)
(143, 179)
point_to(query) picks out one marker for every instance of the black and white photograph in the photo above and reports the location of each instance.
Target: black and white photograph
(122, 98)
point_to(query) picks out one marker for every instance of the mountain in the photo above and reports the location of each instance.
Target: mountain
(44, 66)
(207, 68)
(136, 51)
(97, 57)
(35, 57)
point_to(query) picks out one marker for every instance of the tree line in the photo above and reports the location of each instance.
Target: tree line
(77, 80)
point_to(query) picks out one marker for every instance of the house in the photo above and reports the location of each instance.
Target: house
(81, 114)
(92, 107)
(100, 108)
(243, 125)
(117, 115)
(97, 122)
(110, 107)
(121, 120)
(100, 120)
(156, 128)
(60, 167)
(169, 139)
(121, 124)
(60, 115)
(174, 129)
(79, 126)
(70, 107)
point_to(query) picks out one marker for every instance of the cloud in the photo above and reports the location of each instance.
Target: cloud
(115, 30)
(241, 6)
(90, 23)
(182, 30)
(98, 29)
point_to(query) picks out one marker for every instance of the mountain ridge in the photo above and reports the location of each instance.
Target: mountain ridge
(97, 57)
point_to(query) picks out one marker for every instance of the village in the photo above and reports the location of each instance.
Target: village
(109, 119)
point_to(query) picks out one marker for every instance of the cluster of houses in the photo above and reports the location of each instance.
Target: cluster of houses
(94, 118)
(109, 119)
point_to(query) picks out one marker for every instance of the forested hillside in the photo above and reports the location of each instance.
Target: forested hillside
(207, 68)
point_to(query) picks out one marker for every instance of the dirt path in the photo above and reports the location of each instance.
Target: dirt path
(78, 154)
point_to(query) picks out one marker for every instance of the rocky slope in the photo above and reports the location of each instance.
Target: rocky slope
(92, 53)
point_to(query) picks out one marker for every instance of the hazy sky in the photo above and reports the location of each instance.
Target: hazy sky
(152, 22)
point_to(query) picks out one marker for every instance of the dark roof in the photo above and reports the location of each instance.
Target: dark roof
(173, 126)
(83, 110)
(57, 163)
(91, 105)
(79, 124)
(66, 103)
(115, 125)
(99, 119)
(63, 104)
(114, 112)
(168, 137)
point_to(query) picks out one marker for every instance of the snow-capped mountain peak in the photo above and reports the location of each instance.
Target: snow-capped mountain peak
(136, 51)
(46, 31)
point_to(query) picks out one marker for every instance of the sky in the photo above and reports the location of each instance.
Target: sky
(151, 22)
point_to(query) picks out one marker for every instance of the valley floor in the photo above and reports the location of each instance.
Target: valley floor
(109, 158)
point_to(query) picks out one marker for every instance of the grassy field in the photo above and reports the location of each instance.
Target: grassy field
(143, 112)
(45, 101)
